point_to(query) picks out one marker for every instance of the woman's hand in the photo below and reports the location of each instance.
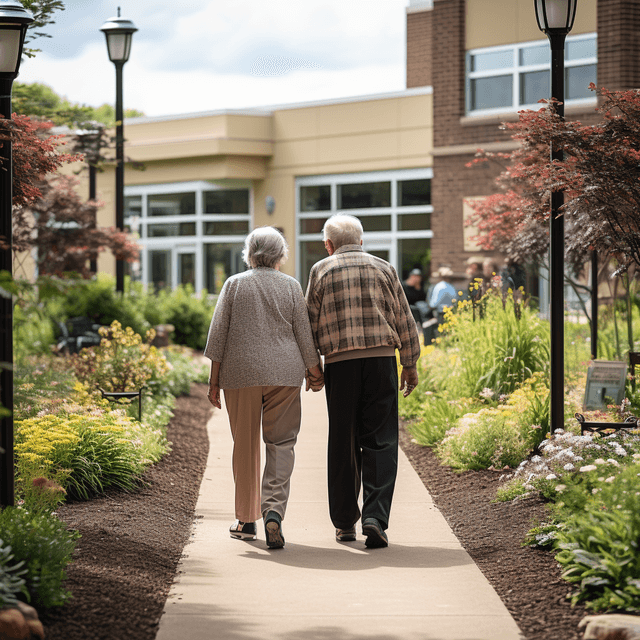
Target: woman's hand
(314, 378)
(214, 385)
(214, 395)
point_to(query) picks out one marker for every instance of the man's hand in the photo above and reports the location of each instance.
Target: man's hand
(214, 395)
(314, 378)
(408, 380)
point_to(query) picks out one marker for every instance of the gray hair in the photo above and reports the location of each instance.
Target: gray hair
(342, 229)
(265, 247)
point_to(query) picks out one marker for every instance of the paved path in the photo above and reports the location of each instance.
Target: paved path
(424, 586)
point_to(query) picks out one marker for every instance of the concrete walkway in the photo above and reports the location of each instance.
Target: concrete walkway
(424, 586)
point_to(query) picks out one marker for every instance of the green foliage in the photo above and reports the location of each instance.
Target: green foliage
(37, 99)
(45, 546)
(511, 491)
(189, 315)
(501, 343)
(12, 583)
(122, 362)
(599, 547)
(98, 300)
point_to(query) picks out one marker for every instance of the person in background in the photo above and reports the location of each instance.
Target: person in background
(413, 287)
(261, 348)
(443, 294)
(475, 277)
(359, 316)
(417, 299)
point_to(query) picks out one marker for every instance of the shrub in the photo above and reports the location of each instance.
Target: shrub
(12, 583)
(498, 349)
(45, 546)
(86, 454)
(122, 362)
(190, 316)
(599, 547)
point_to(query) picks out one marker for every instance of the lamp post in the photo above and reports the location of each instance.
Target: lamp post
(119, 33)
(14, 20)
(555, 18)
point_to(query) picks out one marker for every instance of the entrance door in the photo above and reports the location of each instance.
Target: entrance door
(187, 268)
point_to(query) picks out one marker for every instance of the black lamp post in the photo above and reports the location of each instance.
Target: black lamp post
(555, 18)
(14, 20)
(119, 32)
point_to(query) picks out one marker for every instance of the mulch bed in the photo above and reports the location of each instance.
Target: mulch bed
(131, 544)
(526, 579)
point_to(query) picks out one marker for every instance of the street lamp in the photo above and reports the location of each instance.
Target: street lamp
(119, 32)
(555, 18)
(14, 20)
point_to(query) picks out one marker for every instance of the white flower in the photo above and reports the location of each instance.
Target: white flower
(551, 476)
(487, 393)
(594, 491)
(536, 459)
(615, 463)
(636, 456)
(599, 461)
(588, 467)
(568, 467)
(560, 487)
(610, 479)
(620, 451)
(578, 458)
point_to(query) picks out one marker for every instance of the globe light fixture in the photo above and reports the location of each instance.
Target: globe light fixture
(119, 32)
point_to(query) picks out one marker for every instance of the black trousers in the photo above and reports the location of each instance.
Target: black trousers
(362, 399)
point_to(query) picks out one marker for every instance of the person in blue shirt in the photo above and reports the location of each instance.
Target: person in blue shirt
(443, 294)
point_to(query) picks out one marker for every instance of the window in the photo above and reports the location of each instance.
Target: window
(517, 76)
(189, 233)
(394, 208)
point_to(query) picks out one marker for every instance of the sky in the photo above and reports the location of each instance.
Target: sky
(204, 55)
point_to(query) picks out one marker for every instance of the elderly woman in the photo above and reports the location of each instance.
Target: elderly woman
(260, 345)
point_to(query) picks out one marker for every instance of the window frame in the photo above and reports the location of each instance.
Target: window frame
(517, 70)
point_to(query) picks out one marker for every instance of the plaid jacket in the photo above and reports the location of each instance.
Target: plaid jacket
(356, 301)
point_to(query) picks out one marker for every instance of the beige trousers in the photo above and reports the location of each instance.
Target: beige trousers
(278, 408)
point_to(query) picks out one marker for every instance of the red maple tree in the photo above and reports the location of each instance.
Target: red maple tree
(48, 214)
(600, 175)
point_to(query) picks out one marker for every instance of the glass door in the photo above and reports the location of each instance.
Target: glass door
(187, 267)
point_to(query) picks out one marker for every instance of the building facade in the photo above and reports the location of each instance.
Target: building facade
(397, 161)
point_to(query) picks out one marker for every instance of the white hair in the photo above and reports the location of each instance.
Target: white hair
(342, 229)
(265, 247)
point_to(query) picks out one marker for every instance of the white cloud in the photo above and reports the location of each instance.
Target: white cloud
(208, 57)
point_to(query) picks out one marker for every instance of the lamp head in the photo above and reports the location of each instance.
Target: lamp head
(14, 20)
(555, 17)
(118, 32)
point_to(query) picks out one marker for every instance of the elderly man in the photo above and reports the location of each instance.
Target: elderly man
(359, 316)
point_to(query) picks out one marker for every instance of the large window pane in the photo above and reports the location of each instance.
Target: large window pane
(226, 228)
(160, 269)
(312, 225)
(577, 81)
(226, 201)
(490, 93)
(579, 49)
(132, 213)
(187, 269)
(492, 60)
(538, 54)
(414, 253)
(310, 253)
(376, 223)
(534, 86)
(364, 195)
(220, 262)
(171, 229)
(414, 222)
(171, 204)
(414, 193)
(315, 198)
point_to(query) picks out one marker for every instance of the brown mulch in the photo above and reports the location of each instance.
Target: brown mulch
(526, 579)
(131, 543)
(127, 557)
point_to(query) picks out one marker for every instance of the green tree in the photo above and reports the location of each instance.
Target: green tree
(43, 11)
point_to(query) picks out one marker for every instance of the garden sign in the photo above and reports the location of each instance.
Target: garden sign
(605, 379)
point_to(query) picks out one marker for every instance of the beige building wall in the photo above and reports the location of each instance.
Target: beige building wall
(497, 22)
(272, 148)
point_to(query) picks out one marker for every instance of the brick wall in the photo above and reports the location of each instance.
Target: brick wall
(419, 48)
(619, 44)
